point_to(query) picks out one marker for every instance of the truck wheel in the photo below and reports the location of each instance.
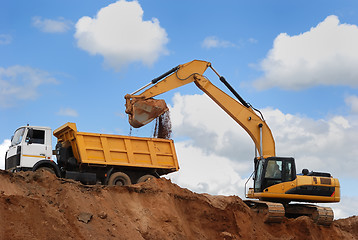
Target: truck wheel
(145, 178)
(119, 179)
(46, 169)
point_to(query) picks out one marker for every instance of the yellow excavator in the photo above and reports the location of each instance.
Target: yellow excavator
(276, 183)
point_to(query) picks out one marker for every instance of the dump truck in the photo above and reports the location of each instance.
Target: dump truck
(91, 158)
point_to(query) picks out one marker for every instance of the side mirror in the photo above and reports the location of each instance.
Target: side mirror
(28, 140)
(30, 134)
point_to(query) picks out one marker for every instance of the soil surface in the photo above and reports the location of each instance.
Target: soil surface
(41, 206)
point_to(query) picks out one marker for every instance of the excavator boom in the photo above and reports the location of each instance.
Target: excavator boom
(142, 109)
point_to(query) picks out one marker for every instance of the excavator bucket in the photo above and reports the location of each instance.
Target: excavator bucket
(141, 112)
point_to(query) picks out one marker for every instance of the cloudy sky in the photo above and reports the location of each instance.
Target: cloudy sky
(296, 61)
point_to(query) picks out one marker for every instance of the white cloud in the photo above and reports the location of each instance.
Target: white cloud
(316, 144)
(5, 39)
(4, 146)
(60, 25)
(20, 83)
(67, 112)
(319, 145)
(121, 36)
(253, 40)
(211, 129)
(204, 173)
(352, 101)
(324, 55)
(215, 42)
(217, 154)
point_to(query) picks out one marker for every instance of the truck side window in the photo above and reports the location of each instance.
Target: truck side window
(38, 137)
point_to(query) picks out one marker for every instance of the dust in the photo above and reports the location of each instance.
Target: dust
(163, 126)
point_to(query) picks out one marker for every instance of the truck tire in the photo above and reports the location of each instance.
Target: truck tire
(48, 169)
(145, 178)
(119, 179)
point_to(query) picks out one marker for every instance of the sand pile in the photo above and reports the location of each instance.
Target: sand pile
(41, 206)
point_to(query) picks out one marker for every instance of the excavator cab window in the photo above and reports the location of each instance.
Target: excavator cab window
(258, 175)
(289, 174)
(273, 171)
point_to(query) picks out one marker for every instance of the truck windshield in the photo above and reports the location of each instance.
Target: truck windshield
(17, 136)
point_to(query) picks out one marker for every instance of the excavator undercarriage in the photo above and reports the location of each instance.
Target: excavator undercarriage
(275, 212)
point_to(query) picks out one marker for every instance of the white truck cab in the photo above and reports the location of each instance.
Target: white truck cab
(30, 149)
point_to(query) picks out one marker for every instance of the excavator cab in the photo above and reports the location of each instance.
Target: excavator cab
(272, 171)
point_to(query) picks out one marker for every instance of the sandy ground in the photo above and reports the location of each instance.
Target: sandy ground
(41, 206)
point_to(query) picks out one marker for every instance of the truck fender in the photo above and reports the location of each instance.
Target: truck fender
(48, 163)
(108, 174)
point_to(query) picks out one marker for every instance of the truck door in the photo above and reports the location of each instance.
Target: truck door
(34, 147)
(13, 154)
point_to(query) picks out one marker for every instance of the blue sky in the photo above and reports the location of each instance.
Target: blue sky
(295, 60)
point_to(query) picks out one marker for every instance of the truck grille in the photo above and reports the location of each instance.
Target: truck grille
(12, 161)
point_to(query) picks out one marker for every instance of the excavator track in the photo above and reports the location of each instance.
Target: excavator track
(275, 212)
(320, 215)
(272, 212)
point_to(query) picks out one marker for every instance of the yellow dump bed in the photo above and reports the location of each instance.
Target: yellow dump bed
(117, 150)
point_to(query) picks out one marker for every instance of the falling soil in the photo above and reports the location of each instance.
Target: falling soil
(163, 126)
(130, 131)
(41, 206)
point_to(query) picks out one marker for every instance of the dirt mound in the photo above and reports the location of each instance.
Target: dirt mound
(41, 206)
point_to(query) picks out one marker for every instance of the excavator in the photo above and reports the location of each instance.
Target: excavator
(275, 182)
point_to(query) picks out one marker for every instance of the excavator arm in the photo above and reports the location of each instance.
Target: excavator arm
(142, 109)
